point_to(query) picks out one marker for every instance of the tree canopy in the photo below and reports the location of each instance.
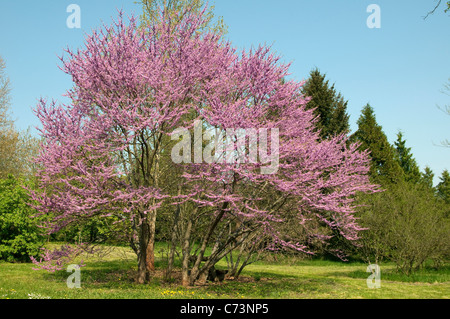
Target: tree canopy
(17, 147)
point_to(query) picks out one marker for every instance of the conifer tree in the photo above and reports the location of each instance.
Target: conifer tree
(329, 105)
(384, 168)
(443, 188)
(427, 177)
(406, 160)
(331, 110)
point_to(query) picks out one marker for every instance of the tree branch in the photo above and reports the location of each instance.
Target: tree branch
(432, 11)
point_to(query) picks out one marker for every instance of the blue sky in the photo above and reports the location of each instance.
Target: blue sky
(400, 68)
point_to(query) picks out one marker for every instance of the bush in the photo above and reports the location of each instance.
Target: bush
(97, 230)
(19, 235)
(407, 225)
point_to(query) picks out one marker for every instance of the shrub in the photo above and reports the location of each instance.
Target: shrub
(20, 236)
(407, 225)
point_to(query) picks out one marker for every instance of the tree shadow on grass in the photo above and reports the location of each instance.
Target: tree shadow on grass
(254, 284)
(271, 285)
(99, 272)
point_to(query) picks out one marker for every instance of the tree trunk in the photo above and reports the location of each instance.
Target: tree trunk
(150, 251)
(195, 272)
(173, 243)
(185, 280)
(143, 275)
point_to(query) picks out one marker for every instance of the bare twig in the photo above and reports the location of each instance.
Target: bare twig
(432, 11)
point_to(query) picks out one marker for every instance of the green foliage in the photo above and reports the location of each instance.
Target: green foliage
(96, 230)
(405, 159)
(19, 234)
(176, 8)
(427, 177)
(329, 105)
(407, 225)
(443, 188)
(384, 167)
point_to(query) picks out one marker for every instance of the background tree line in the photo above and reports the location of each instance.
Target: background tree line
(408, 222)
(19, 235)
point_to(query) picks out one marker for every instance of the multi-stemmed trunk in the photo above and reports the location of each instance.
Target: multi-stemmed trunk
(146, 254)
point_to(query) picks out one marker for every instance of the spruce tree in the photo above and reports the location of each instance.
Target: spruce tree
(406, 160)
(329, 105)
(427, 177)
(443, 188)
(384, 168)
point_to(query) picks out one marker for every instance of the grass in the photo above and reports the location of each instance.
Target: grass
(112, 276)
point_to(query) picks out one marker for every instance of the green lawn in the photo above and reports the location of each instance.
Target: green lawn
(111, 276)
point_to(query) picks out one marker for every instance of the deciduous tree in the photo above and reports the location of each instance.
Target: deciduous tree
(407, 225)
(176, 9)
(134, 86)
(16, 147)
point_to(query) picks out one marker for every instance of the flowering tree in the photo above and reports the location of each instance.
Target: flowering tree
(103, 154)
(312, 180)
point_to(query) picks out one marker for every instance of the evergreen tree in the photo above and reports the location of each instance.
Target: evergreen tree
(339, 122)
(443, 188)
(329, 105)
(427, 177)
(331, 108)
(406, 160)
(384, 168)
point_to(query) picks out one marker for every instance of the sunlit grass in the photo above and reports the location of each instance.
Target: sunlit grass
(112, 276)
